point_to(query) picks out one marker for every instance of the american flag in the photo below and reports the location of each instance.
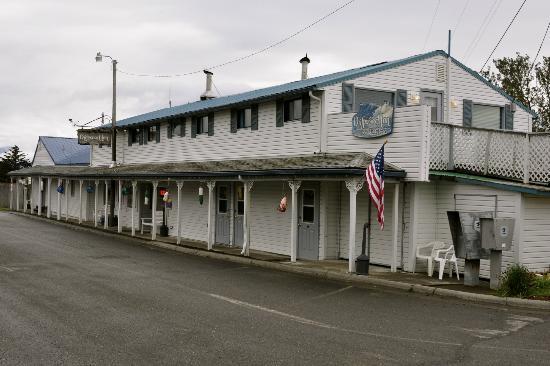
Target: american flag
(375, 179)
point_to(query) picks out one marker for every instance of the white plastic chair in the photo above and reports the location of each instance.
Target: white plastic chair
(428, 251)
(442, 256)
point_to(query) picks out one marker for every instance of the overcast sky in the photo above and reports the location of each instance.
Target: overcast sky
(48, 46)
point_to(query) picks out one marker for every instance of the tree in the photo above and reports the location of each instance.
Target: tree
(528, 83)
(14, 159)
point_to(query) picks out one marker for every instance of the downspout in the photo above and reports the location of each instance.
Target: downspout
(448, 91)
(321, 117)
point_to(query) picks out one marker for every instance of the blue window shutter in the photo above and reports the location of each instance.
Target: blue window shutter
(401, 98)
(306, 109)
(508, 117)
(347, 98)
(467, 107)
(170, 129)
(183, 123)
(130, 137)
(157, 136)
(211, 124)
(254, 120)
(145, 134)
(140, 136)
(233, 125)
(193, 127)
(279, 114)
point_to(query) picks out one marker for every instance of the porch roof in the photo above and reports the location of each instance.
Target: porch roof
(306, 165)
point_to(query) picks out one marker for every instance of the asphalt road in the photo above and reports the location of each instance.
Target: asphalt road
(78, 297)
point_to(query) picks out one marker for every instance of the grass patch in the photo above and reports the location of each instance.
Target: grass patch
(541, 286)
(517, 281)
(4, 209)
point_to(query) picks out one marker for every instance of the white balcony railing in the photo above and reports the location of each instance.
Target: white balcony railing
(506, 154)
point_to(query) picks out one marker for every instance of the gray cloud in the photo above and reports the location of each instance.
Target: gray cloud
(49, 73)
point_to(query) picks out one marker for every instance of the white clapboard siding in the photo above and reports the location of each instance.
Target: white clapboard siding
(535, 237)
(407, 146)
(294, 138)
(42, 156)
(471, 198)
(381, 240)
(330, 200)
(420, 75)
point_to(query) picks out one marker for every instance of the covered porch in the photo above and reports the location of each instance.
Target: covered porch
(239, 208)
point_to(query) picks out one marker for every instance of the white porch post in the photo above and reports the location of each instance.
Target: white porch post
(119, 221)
(25, 197)
(49, 198)
(134, 205)
(11, 193)
(353, 187)
(246, 218)
(80, 182)
(154, 211)
(211, 211)
(67, 186)
(395, 219)
(178, 223)
(96, 191)
(59, 182)
(294, 186)
(40, 189)
(30, 197)
(106, 208)
(17, 205)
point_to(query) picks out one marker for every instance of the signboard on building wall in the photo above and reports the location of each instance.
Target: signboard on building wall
(89, 137)
(372, 121)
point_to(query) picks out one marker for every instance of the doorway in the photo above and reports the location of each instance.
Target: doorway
(308, 222)
(223, 214)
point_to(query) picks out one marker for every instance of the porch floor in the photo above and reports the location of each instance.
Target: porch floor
(338, 266)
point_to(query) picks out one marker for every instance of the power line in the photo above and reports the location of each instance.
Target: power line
(460, 16)
(481, 30)
(257, 52)
(503, 34)
(541, 43)
(431, 25)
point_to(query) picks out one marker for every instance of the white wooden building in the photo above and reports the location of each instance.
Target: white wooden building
(458, 142)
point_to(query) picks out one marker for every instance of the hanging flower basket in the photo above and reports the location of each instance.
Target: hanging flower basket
(90, 189)
(61, 189)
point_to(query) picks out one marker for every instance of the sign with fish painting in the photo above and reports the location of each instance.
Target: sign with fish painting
(372, 121)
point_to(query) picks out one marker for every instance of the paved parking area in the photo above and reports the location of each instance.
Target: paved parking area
(77, 297)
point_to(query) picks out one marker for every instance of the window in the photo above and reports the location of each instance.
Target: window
(308, 205)
(435, 101)
(240, 200)
(177, 129)
(152, 135)
(222, 199)
(72, 187)
(293, 110)
(202, 125)
(367, 96)
(244, 118)
(487, 116)
(134, 135)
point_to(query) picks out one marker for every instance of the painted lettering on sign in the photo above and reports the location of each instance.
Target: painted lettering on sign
(87, 137)
(372, 121)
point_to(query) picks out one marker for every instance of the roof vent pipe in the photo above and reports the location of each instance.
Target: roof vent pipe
(208, 93)
(304, 61)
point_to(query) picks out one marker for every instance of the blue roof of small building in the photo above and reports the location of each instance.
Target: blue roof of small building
(66, 150)
(294, 88)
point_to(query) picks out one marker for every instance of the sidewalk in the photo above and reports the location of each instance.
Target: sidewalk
(327, 269)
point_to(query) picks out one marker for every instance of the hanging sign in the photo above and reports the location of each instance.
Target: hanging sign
(89, 137)
(372, 121)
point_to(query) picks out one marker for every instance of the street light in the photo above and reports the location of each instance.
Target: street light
(99, 58)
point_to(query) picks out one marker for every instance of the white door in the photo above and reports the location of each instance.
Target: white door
(222, 214)
(238, 220)
(308, 224)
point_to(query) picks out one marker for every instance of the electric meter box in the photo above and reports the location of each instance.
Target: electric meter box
(466, 233)
(497, 234)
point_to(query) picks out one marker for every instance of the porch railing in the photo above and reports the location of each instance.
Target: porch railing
(511, 155)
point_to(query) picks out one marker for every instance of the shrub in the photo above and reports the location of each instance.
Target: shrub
(516, 281)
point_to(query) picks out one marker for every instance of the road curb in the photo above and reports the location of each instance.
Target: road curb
(312, 272)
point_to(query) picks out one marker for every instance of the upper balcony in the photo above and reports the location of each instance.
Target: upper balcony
(511, 155)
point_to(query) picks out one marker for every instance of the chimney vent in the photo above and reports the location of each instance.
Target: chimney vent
(304, 61)
(208, 93)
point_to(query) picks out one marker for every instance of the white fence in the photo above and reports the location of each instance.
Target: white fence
(506, 154)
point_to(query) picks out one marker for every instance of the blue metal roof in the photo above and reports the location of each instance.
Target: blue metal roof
(293, 88)
(66, 151)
